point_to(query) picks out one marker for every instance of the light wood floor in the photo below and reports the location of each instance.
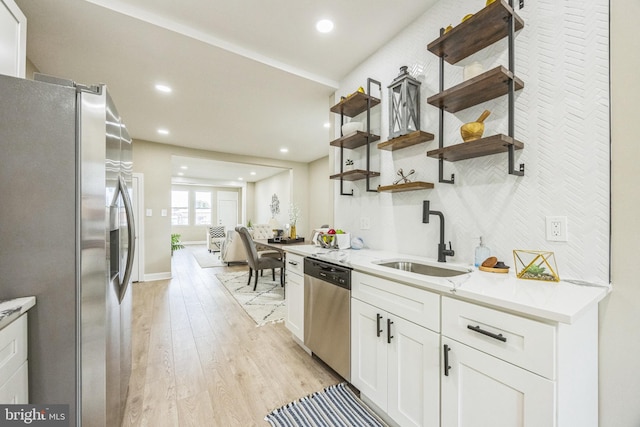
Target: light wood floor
(199, 359)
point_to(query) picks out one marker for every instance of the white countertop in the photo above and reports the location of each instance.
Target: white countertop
(11, 309)
(554, 301)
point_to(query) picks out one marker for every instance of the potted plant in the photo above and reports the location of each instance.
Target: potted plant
(175, 243)
(348, 165)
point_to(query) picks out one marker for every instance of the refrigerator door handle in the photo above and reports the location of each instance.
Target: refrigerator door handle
(131, 234)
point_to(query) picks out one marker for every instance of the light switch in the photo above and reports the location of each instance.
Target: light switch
(149, 212)
(163, 212)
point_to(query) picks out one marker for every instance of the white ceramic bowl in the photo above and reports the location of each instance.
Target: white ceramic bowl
(351, 127)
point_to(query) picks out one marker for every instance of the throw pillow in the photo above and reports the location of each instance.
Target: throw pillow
(217, 232)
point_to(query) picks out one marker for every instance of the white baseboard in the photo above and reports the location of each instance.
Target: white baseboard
(157, 276)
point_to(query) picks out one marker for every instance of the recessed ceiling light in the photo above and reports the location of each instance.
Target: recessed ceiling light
(327, 125)
(284, 150)
(240, 178)
(163, 88)
(324, 26)
(180, 174)
(184, 167)
(163, 131)
(252, 173)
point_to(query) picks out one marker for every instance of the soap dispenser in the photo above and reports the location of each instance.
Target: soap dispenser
(482, 253)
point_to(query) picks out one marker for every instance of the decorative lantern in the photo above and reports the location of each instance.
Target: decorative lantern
(404, 104)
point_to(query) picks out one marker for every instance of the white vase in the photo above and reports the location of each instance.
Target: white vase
(472, 70)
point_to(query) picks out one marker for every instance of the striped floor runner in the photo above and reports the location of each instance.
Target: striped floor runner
(335, 406)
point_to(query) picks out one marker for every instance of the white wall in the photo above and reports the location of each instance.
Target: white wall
(562, 116)
(280, 185)
(620, 312)
(320, 195)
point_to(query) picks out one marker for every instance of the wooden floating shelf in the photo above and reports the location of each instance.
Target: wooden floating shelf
(488, 85)
(405, 141)
(354, 104)
(408, 186)
(354, 140)
(481, 147)
(354, 175)
(481, 30)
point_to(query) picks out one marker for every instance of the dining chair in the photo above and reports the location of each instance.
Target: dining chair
(258, 262)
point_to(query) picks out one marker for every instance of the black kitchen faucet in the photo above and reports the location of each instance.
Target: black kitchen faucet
(443, 252)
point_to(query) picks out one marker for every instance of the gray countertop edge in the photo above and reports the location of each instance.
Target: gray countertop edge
(11, 309)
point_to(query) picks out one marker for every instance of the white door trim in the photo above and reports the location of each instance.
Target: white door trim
(138, 190)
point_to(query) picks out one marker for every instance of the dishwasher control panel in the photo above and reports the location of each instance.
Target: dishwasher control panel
(332, 273)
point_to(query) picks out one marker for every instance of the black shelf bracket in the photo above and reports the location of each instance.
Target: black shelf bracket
(342, 193)
(512, 94)
(369, 82)
(441, 131)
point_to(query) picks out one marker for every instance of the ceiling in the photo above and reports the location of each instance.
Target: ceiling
(197, 171)
(248, 77)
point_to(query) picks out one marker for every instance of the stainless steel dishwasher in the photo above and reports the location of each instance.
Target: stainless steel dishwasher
(327, 313)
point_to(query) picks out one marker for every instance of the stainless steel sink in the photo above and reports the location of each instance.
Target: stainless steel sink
(424, 269)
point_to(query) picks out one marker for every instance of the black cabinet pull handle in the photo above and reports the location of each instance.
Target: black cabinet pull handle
(447, 349)
(293, 262)
(378, 318)
(479, 330)
(389, 336)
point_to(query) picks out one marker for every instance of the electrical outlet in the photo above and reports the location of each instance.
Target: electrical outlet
(365, 223)
(556, 227)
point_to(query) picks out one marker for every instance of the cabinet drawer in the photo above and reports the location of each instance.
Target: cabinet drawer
(295, 264)
(523, 342)
(416, 305)
(15, 391)
(13, 347)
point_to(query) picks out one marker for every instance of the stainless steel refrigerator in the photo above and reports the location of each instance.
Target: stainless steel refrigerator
(66, 236)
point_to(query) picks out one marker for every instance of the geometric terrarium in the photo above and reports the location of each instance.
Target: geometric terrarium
(536, 265)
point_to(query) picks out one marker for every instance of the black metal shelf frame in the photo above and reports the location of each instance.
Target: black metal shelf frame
(370, 81)
(511, 108)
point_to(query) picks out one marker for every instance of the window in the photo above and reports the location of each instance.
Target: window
(203, 208)
(179, 207)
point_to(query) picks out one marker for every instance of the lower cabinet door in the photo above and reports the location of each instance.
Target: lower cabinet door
(16, 390)
(295, 305)
(369, 352)
(480, 390)
(414, 374)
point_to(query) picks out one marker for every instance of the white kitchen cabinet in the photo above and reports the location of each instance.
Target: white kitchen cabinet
(394, 362)
(502, 369)
(13, 39)
(369, 351)
(13, 362)
(295, 295)
(482, 390)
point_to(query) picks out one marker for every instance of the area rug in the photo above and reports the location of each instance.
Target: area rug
(265, 304)
(207, 259)
(336, 405)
